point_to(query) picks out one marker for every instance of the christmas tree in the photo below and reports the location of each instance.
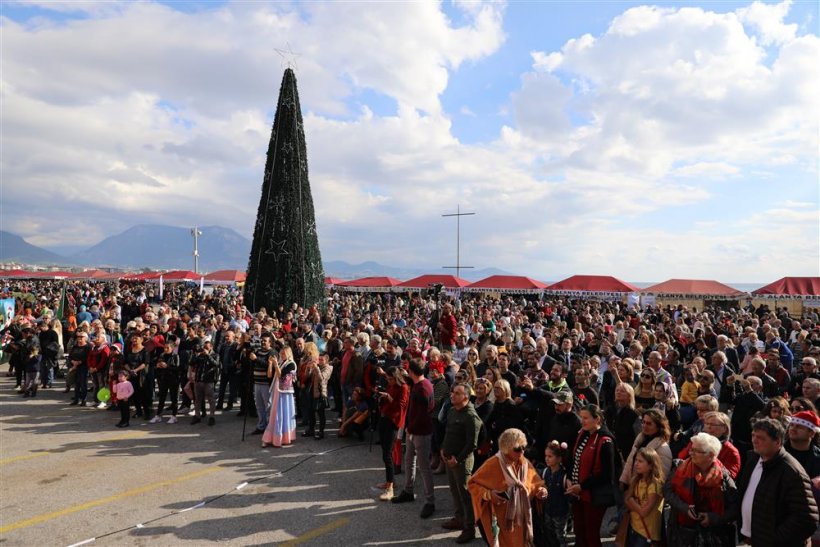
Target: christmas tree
(285, 265)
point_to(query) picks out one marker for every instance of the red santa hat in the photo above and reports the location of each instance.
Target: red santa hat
(807, 419)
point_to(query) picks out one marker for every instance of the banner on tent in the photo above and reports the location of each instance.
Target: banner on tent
(648, 300)
(811, 302)
(633, 299)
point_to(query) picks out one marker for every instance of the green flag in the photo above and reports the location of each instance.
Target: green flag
(63, 304)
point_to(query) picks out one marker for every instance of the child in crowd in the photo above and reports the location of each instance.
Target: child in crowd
(124, 390)
(689, 389)
(32, 371)
(644, 500)
(556, 507)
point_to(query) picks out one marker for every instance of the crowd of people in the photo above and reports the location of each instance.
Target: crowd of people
(660, 426)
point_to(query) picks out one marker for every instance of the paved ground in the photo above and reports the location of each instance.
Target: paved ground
(68, 475)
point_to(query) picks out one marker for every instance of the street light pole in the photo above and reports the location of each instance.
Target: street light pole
(196, 233)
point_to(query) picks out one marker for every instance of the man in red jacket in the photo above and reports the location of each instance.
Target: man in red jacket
(419, 428)
(447, 329)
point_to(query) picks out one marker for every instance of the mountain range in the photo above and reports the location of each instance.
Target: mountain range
(170, 247)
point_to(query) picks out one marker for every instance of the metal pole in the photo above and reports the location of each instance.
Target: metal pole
(196, 233)
(458, 214)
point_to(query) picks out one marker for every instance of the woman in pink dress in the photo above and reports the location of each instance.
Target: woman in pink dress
(281, 430)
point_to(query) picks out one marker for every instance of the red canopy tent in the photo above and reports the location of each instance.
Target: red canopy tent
(176, 276)
(14, 273)
(425, 281)
(694, 288)
(50, 275)
(225, 277)
(584, 285)
(89, 274)
(369, 284)
(333, 281)
(144, 276)
(790, 287)
(114, 276)
(507, 283)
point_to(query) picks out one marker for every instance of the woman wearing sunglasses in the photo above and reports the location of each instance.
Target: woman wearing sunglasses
(503, 488)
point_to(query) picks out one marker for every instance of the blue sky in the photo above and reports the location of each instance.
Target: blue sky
(591, 137)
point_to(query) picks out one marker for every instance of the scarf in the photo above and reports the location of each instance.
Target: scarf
(518, 508)
(705, 491)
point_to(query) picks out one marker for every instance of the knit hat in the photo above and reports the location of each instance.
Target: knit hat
(807, 419)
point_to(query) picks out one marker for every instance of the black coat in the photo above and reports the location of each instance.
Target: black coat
(622, 426)
(784, 512)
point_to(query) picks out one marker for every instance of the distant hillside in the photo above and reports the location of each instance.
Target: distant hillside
(169, 247)
(14, 248)
(345, 270)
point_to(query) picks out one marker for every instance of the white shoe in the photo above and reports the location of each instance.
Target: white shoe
(102, 405)
(192, 413)
(155, 420)
(387, 495)
(172, 420)
(183, 410)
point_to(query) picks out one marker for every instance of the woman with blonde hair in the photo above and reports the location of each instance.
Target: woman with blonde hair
(502, 490)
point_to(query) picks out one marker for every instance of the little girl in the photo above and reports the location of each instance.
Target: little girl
(123, 389)
(556, 507)
(32, 372)
(644, 500)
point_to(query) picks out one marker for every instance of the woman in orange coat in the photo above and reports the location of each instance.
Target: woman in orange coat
(502, 489)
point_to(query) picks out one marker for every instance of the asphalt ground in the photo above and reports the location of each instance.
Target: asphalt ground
(67, 475)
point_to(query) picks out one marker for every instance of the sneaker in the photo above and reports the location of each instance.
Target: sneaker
(155, 420)
(387, 495)
(192, 413)
(102, 405)
(211, 421)
(404, 497)
(172, 420)
(83, 403)
(20, 388)
(427, 510)
(183, 410)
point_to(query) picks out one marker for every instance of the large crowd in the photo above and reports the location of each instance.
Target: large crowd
(662, 425)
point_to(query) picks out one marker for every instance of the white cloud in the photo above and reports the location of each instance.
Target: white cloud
(713, 170)
(767, 20)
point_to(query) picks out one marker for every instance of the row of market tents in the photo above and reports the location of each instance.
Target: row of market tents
(577, 285)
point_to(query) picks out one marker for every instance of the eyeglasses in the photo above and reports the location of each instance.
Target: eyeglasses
(520, 449)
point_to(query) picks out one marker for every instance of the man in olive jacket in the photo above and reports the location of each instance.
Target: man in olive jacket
(460, 440)
(778, 507)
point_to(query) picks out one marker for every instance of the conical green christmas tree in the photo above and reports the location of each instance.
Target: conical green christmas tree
(285, 265)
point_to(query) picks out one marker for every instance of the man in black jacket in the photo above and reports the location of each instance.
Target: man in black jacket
(50, 349)
(778, 507)
(206, 371)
